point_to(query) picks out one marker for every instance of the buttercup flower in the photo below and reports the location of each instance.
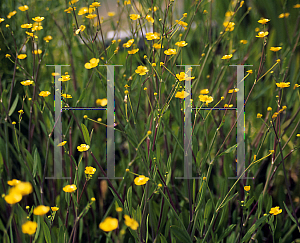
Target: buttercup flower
(64, 78)
(263, 21)
(128, 43)
(275, 48)
(259, 115)
(89, 170)
(23, 8)
(157, 46)
(81, 28)
(93, 63)
(54, 209)
(27, 82)
(38, 19)
(66, 96)
(275, 211)
(83, 147)
(95, 4)
(133, 51)
(152, 36)
(262, 34)
(134, 16)
(183, 24)
(170, 52)
(70, 188)
(296, 5)
(29, 227)
(13, 197)
(204, 91)
(243, 42)
(227, 56)
(44, 93)
(206, 98)
(91, 16)
(41, 210)
(247, 188)
(101, 102)
(181, 94)
(119, 209)
(11, 14)
(141, 180)
(249, 71)
(26, 26)
(109, 224)
(7, 55)
(284, 15)
(62, 144)
(111, 14)
(13, 182)
(69, 9)
(22, 56)
(48, 38)
(149, 19)
(283, 84)
(181, 43)
(133, 224)
(229, 26)
(39, 51)
(1, 20)
(141, 70)
(183, 76)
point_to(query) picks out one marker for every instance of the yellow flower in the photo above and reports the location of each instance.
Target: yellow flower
(263, 21)
(111, 14)
(11, 14)
(89, 170)
(95, 4)
(183, 24)
(152, 36)
(297, 5)
(149, 19)
(109, 224)
(91, 16)
(38, 19)
(283, 84)
(243, 42)
(69, 9)
(259, 115)
(149, 133)
(93, 63)
(170, 52)
(275, 48)
(29, 227)
(44, 93)
(256, 29)
(39, 51)
(93, 199)
(48, 38)
(13, 182)
(296, 86)
(13, 197)
(83, 147)
(229, 26)
(153, 64)
(205, 98)
(26, 26)
(62, 144)
(133, 51)
(70, 188)
(1, 20)
(141, 70)
(119, 209)
(54, 209)
(133, 224)
(298, 135)
(27, 82)
(41, 210)
(181, 94)
(227, 56)
(269, 108)
(101, 102)
(21, 111)
(23, 188)
(181, 43)
(262, 34)
(127, 2)
(64, 78)
(204, 91)
(275, 211)
(157, 46)
(249, 71)
(247, 188)
(7, 55)
(183, 76)
(128, 43)
(134, 16)
(73, 1)
(141, 180)
(66, 96)
(22, 56)
(284, 15)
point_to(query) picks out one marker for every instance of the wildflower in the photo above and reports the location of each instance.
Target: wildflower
(149, 133)
(109, 224)
(23, 8)
(183, 76)
(149, 19)
(298, 135)
(133, 51)
(263, 21)
(119, 209)
(153, 64)
(41, 210)
(284, 107)
(27, 82)
(26, 26)
(70, 188)
(275, 48)
(89, 170)
(262, 34)
(157, 46)
(54, 209)
(161, 64)
(205, 98)
(127, 2)
(66, 96)
(170, 52)
(62, 144)
(35, 52)
(155, 93)
(229, 26)
(81, 28)
(227, 56)
(181, 43)
(141, 70)
(38, 19)
(204, 91)
(7, 56)
(296, 5)
(247, 188)
(259, 115)
(29, 227)
(83, 11)
(30, 34)
(250, 71)
(222, 97)
(85, 117)
(36, 27)
(11, 14)
(181, 94)
(128, 43)
(44, 93)
(111, 14)
(83, 147)
(296, 86)
(91, 16)
(21, 111)
(13, 182)
(242, 3)
(1, 20)
(181, 23)
(69, 9)
(269, 108)
(22, 56)
(48, 38)
(7, 25)
(275, 115)
(133, 224)
(284, 15)
(127, 170)
(159, 185)
(64, 78)
(141, 180)
(275, 211)
(152, 36)
(93, 199)
(101, 102)
(134, 16)
(278, 60)
(243, 42)
(93, 63)
(283, 84)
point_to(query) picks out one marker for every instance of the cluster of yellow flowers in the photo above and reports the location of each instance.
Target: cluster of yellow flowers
(110, 224)
(18, 190)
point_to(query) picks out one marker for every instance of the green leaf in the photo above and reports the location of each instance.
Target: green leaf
(180, 234)
(229, 150)
(85, 134)
(249, 202)
(226, 232)
(1, 164)
(14, 105)
(115, 196)
(46, 232)
(289, 213)
(163, 239)
(36, 162)
(129, 197)
(257, 224)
